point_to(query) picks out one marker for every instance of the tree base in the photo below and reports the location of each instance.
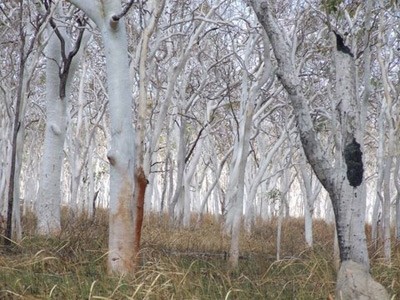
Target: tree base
(354, 282)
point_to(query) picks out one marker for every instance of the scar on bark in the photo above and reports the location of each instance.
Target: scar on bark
(141, 183)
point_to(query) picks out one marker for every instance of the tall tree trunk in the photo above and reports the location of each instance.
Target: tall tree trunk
(143, 167)
(344, 190)
(109, 17)
(397, 186)
(49, 197)
(12, 201)
(387, 124)
(60, 55)
(121, 154)
(180, 185)
(235, 192)
(310, 193)
(25, 72)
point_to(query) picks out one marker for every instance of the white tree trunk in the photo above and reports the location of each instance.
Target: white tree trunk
(179, 192)
(266, 161)
(49, 197)
(189, 173)
(380, 175)
(387, 141)
(235, 192)
(121, 155)
(350, 206)
(396, 175)
(347, 201)
(310, 193)
(285, 184)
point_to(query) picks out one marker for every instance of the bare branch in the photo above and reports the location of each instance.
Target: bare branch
(125, 10)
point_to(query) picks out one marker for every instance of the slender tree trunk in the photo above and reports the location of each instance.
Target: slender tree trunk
(143, 167)
(180, 185)
(236, 184)
(387, 122)
(13, 202)
(380, 175)
(386, 210)
(397, 186)
(310, 192)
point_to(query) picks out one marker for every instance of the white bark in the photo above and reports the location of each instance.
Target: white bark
(179, 193)
(380, 174)
(348, 204)
(189, 173)
(284, 189)
(312, 147)
(121, 155)
(49, 195)
(143, 85)
(173, 75)
(266, 161)
(387, 142)
(235, 193)
(310, 191)
(27, 64)
(217, 174)
(48, 204)
(356, 283)
(396, 175)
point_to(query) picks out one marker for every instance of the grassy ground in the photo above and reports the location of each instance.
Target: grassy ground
(177, 264)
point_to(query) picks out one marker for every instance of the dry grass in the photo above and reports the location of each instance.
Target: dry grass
(178, 263)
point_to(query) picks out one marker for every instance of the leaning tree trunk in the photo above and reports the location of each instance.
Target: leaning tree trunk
(342, 183)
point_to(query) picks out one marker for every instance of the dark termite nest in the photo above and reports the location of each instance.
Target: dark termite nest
(353, 158)
(340, 46)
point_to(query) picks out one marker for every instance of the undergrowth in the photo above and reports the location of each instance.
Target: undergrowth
(178, 263)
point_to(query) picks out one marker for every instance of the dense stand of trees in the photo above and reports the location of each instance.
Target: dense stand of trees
(243, 110)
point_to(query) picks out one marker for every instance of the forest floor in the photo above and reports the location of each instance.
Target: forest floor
(179, 263)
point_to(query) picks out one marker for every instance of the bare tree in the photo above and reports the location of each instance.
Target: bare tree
(342, 183)
(29, 35)
(109, 18)
(63, 54)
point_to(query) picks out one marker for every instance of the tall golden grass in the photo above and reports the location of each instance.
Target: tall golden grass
(178, 263)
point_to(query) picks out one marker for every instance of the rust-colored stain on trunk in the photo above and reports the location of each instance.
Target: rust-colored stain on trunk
(141, 183)
(121, 228)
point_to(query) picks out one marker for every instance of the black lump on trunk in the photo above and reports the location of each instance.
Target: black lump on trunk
(340, 46)
(353, 158)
